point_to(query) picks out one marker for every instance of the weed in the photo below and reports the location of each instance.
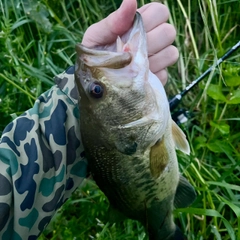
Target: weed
(37, 41)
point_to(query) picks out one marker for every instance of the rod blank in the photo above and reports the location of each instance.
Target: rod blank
(173, 103)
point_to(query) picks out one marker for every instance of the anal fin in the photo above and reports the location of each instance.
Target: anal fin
(185, 194)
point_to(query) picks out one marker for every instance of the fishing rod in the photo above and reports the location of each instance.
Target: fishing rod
(173, 103)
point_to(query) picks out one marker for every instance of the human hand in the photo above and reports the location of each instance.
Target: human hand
(160, 35)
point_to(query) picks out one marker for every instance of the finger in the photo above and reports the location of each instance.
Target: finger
(153, 14)
(160, 37)
(161, 60)
(163, 76)
(107, 30)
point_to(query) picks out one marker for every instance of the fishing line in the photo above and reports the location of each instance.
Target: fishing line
(173, 103)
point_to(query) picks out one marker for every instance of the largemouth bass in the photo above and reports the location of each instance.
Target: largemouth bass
(128, 134)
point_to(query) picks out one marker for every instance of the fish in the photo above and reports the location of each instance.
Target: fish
(129, 137)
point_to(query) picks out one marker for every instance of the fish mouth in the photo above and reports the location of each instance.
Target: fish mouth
(120, 53)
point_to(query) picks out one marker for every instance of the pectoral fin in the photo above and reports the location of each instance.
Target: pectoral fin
(158, 158)
(179, 138)
(185, 194)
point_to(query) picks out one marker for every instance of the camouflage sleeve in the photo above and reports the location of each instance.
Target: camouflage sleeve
(41, 161)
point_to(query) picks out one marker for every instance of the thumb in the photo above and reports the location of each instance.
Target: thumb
(107, 30)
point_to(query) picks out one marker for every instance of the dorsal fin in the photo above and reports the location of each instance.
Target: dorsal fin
(179, 138)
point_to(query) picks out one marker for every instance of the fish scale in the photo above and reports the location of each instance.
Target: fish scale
(142, 178)
(129, 136)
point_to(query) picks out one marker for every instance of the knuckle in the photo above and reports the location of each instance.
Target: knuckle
(173, 53)
(162, 9)
(169, 31)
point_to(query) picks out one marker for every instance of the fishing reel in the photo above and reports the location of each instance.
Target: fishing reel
(181, 116)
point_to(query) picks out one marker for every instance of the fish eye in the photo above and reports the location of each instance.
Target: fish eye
(96, 90)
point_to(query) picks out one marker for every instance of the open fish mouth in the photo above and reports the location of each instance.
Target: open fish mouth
(119, 53)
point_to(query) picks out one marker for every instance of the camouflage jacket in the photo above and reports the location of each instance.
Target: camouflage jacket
(41, 161)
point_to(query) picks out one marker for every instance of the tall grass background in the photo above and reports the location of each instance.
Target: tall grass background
(37, 41)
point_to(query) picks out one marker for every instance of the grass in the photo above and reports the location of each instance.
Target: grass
(37, 41)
